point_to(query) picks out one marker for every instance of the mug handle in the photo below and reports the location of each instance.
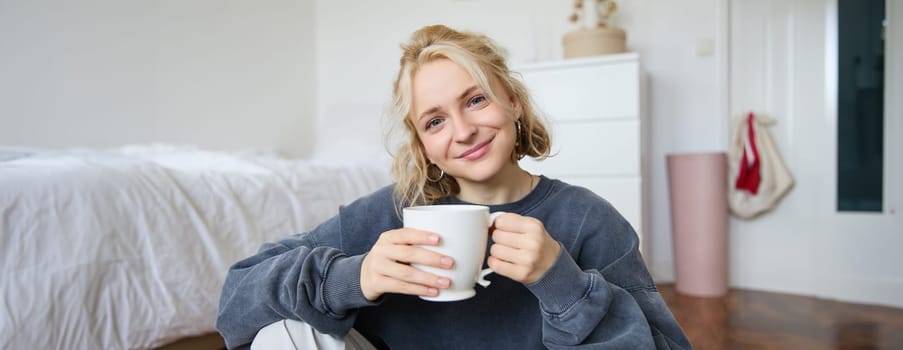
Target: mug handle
(481, 280)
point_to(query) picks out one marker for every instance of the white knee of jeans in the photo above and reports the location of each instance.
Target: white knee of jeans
(294, 335)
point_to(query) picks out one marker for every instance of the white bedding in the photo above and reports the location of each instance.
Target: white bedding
(128, 248)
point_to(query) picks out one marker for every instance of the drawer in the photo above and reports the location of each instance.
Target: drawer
(592, 148)
(586, 91)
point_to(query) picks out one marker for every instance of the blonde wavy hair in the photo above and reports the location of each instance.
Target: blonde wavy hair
(479, 56)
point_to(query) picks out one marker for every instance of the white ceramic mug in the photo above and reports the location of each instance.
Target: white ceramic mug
(464, 232)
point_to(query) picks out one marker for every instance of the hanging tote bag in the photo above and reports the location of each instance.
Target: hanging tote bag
(758, 176)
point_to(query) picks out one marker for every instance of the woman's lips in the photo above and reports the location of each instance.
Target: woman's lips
(476, 152)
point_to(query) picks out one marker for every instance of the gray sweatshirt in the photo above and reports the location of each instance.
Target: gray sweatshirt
(598, 294)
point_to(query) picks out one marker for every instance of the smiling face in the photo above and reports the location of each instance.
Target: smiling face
(463, 132)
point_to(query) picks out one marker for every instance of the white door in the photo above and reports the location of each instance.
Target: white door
(783, 63)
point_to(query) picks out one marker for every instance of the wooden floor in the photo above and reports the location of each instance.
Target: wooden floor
(762, 320)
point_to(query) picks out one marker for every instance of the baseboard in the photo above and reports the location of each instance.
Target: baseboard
(863, 291)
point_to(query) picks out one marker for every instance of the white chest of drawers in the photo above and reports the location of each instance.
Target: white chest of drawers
(594, 108)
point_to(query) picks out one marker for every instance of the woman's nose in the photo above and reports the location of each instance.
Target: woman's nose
(464, 129)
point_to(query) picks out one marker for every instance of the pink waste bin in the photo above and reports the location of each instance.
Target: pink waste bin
(697, 185)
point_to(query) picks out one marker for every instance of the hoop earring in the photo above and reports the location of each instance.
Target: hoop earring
(441, 174)
(517, 136)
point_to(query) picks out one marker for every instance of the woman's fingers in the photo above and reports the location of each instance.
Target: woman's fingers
(522, 249)
(511, 222)
(509, 254)
(412, 289)
(407, 282)
(521, 241)
(418, 255)
(409, 236)
(409, 274)
(403, 246)
(386, 269)
(508, 269)
(380, 275)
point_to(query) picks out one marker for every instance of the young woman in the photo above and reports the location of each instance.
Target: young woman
(568, 269)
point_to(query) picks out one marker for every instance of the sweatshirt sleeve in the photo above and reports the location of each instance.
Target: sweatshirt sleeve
(303, 277)
(605, 298)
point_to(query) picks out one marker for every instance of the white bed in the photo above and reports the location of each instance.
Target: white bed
(127, 248)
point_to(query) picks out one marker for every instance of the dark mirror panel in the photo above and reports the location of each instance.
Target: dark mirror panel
(860, 105)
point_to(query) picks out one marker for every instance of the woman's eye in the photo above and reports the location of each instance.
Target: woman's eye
(433, 122)
(476, 100)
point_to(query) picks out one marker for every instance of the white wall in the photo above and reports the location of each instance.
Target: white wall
(681, 46)
(220, 74)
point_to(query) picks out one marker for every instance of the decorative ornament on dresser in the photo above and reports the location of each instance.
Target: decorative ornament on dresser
(593, 38)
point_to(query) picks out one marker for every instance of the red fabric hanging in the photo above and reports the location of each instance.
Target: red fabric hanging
(749, 177)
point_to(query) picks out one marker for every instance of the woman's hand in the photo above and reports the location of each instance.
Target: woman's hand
(386, 268)
(522, 249)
